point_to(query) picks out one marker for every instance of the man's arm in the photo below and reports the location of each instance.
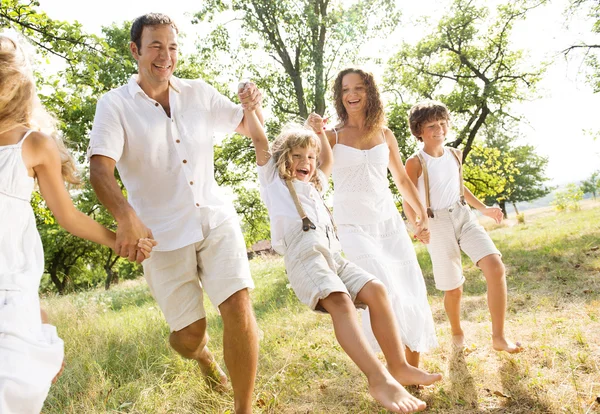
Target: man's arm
(129, 227)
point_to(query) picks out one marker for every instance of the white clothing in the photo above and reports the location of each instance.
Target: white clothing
(166, 163)
(31, 353)
(379, 242)
(282, 211)
(362, 186)
(444, 179)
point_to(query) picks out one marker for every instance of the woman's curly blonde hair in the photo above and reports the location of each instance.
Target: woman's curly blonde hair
(20, 104)
(293, 136)
(375, 113)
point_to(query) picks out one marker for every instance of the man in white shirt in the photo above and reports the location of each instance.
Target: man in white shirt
(158, 130)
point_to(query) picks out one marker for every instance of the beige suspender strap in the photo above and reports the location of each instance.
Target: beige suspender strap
(306, 223)
(426, 181)
(454, 152)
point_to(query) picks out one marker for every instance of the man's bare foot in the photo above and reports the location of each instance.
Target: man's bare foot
(458, 341)
(212, 372)
(501, 344)
(394, 397)
(409, 375)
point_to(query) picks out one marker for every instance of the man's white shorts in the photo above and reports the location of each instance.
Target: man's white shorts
(218, 264)
(454, 229)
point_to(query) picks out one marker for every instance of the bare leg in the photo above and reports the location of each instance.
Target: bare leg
(494, 272)
(240, 347)
(452, 306)
(190, 342)
(383, 322)
(382, 386)
(412, 358)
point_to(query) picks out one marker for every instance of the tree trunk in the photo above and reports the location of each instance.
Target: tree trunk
(516, 209)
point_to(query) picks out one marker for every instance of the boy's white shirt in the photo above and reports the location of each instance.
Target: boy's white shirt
(444, 188)
(282, 211)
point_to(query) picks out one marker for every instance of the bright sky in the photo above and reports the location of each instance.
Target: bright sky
(557, 120)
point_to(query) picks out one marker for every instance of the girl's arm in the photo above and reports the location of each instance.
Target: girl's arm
(258, 136)
(408, 189)
(41, 153)
(315, 122)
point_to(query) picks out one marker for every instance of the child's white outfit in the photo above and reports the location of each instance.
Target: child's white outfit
(31, 353)
(373, 236)
(453, 226)
(314, 265)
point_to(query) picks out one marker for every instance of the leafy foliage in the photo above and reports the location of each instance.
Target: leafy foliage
(592, 184)
(568, 199)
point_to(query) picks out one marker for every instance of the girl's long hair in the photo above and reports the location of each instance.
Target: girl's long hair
(20, 104)
(375, 113)
(293, 136)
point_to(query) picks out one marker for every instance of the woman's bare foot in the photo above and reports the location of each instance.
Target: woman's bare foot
(458, 341)
(501, 344)
(409, 375)
(394, 397)
(212, 372)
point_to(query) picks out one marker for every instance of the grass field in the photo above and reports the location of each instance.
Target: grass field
(118, 358)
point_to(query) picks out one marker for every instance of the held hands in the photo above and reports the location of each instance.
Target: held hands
(250, 96)
(134, 240)
(422, 230)
(316, 122)
(493, 213)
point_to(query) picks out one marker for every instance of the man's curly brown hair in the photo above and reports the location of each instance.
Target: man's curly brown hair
(375, 115)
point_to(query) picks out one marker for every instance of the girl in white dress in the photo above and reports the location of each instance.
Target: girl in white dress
(371, 230)
(31, 353)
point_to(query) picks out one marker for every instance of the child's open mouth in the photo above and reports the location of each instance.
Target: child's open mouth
(301, 173)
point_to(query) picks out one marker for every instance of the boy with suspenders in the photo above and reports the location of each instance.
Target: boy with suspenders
(436, 171)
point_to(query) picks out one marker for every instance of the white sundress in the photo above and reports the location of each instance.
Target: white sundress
(31, 353)
(373, 236)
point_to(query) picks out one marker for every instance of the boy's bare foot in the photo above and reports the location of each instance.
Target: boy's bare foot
(212, 372)
(409, 375)
(501, 344)
(458, 341)
(394, 397)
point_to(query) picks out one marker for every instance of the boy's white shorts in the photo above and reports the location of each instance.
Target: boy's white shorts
(316, 268)
(454, 229)
(218, 264)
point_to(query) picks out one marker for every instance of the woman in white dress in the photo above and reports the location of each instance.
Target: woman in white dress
(370, 228)
(31, 353)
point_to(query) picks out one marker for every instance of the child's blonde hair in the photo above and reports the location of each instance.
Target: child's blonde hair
(293, 136)
(20, 104)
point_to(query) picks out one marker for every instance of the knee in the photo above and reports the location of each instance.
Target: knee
(454, 294)
(237, 303)
(373, 292)
(337, 302)
(192, 337)
(493, 268)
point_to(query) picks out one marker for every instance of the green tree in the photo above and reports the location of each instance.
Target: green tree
(568, 198)
(526, 181)
(591, 8)
(468, 62)
(592, 184)
(293, 49)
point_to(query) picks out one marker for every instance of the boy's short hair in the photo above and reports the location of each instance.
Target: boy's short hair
(150, 19)
(426, 111)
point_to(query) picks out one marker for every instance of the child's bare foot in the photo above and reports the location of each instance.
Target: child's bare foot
(501, 344)
(394, 397)
(212, 372)
(409, 375)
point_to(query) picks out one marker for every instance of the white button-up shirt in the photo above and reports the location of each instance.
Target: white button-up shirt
(167, 164)
(282, 211)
